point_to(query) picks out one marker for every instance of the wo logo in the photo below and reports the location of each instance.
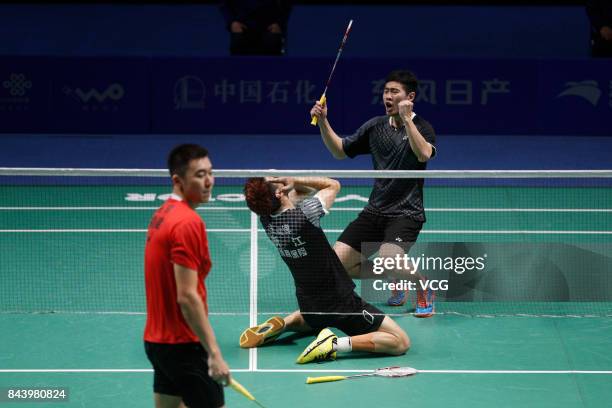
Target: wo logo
(114, 92)
(587, 90)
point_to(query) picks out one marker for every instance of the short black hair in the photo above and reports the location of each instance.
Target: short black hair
(406, 78)
(181, 155)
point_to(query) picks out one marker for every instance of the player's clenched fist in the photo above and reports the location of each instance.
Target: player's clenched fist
(319, 111)
(405, 110)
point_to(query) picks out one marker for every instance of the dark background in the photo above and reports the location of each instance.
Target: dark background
(556, 113)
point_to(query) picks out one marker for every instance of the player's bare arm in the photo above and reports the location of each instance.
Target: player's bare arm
(193, 311)
(327, 188)
(299, 188)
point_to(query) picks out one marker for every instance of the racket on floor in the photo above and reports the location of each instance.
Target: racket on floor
(381, 372)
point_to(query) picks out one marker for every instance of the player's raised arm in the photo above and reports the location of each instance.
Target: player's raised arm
(299, 188)
(326, 188)
(422, 149)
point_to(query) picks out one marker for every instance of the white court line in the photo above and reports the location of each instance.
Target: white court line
(204, 209)
(81, 370)
(536, 232)
(447, 371)
(113, 208)
(111, 230)
(77, 208)
(536, 210)
(72, 230)
(503, 232)
(561, 210)
(492, 232)
(276, 313)
(297, 370)
(516, 371)
(253, 289)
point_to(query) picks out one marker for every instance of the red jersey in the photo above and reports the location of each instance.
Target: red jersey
(176, 235)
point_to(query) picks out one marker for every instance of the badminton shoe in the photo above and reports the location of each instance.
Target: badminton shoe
(264, 333)
(321, 349)
(425, 303)
(398, 297)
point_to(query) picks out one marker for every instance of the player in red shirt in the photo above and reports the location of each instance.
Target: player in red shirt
(189, 369)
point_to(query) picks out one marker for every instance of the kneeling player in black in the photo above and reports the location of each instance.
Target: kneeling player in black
(325, 293)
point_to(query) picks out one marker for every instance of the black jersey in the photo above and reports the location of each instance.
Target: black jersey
(390, 150)
(320, 279)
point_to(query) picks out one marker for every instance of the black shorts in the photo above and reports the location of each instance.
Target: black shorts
(182, 370)
(368, 227)
(350, 314)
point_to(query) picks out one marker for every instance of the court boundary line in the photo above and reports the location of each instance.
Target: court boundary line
(301, 370)
(204, 209)
(96, 230)
(450, 232)
(253, 288)
(276, 313)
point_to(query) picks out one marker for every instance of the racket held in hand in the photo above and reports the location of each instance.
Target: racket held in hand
(323, 99)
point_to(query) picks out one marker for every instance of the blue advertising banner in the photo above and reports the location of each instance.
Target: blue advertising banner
(274, 95)
(456, 96)
(236, 95)
(84, 95)
(575, 96)
(100, 95)
(23, 94)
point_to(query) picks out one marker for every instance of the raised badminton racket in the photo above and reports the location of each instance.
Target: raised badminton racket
(323, 99)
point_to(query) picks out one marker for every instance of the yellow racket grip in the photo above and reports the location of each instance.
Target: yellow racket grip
(315, 380)
(322, 101)
(239, 388)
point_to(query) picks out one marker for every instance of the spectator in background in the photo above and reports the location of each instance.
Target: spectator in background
(257, 27)
(600, 15)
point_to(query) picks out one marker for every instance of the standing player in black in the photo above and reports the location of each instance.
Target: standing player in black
(325, 292)
(394, 216)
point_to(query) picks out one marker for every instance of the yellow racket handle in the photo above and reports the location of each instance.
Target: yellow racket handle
(239, 388)
(322, 101)
(315, 380)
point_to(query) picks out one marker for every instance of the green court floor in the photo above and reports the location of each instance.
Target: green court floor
(458, 356)
(72, 303)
